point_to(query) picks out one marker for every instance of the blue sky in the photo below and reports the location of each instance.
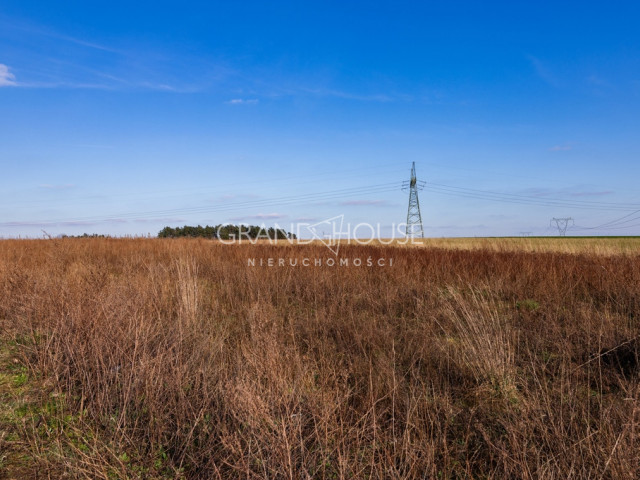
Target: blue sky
(124, 117)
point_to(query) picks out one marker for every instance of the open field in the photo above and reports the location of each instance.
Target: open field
(581, 245)
(467, 358)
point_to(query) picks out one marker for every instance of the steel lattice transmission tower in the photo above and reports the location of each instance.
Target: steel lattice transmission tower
(414, 219)
(562, 224)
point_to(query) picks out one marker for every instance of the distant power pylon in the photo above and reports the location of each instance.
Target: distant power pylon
(562, 224)
(414, 219)
(526, 234)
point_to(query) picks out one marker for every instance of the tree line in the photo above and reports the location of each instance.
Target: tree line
(227, 232)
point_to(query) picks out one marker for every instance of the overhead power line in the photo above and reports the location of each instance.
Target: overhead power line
(613, 224)
(304, 199)
(628, 220)
(527, 199)
(220, 188)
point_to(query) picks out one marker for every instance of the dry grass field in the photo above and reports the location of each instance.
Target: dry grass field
(601, 246)
(583, 245)
(487, 358)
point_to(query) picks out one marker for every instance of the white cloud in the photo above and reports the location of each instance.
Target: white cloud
(242, 101)
(260, 216)
(266, 216)
(543, 71)
(70, 223)
(595, 193)
(326, 92)
(597, 81)
(159, 220)
(561, 148)
(48, 186)
(234, 196)
(7, 79)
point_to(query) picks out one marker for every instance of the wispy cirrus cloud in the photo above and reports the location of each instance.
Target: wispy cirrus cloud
(75, 61)
(376, 97)
(32, 29)
(71, 62)
(235, 196)
(70, 223)
(7, 79)
(48, 186)
(310, 87)
(261, 216)
(83, 43)
(269, 216)
(242, 101)
(577, 191)
(543, 71)
(159, 220)
(597, 81)
(89, 145)
(594, 193)
(565, 147)
(78, 223)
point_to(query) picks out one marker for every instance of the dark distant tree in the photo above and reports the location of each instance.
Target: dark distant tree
(226, 232)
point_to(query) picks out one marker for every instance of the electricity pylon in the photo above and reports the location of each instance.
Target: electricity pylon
(562, 224)
(414, 219)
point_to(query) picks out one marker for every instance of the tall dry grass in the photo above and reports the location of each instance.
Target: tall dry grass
(173, 358)
(601, 246)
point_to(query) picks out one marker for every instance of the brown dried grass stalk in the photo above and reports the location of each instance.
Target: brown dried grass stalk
(173, 358)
